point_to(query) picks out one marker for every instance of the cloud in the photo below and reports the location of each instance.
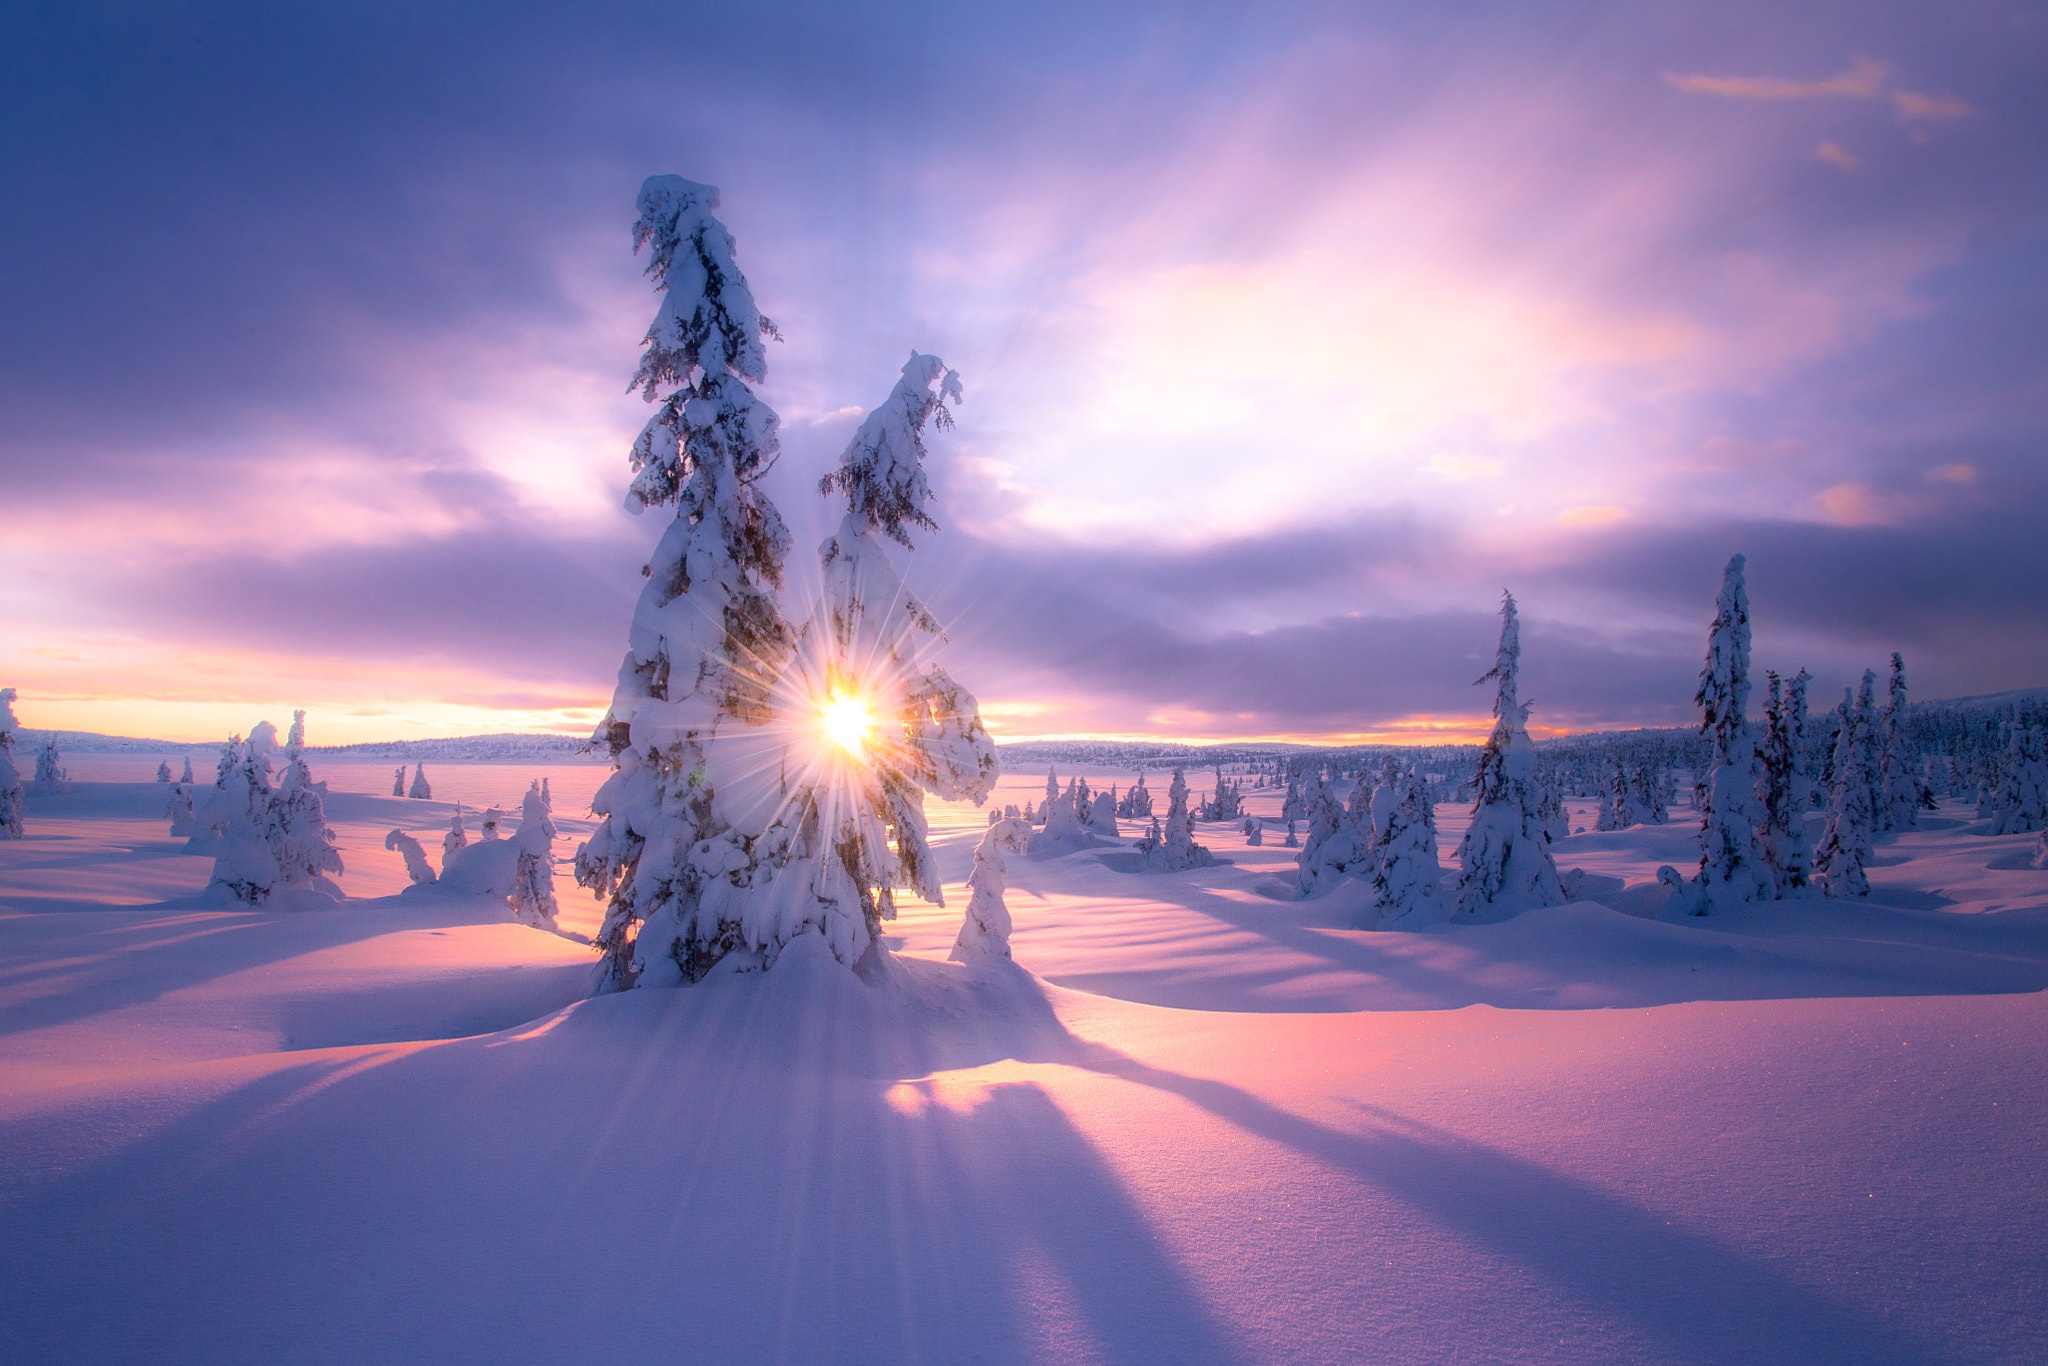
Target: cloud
(1835, 154)
(1864, 79)
(1919, 108)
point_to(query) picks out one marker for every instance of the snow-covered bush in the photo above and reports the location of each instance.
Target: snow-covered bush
(1103, 817)
(416, 866)
(985, 933)
(1505, 856)
(1254, 831)
(456, 838)
(13, 806)
(421, 789)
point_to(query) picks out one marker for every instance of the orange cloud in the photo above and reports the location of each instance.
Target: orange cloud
(1919, 108)
(1835, 154)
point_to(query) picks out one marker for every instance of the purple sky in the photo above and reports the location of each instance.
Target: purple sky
(1291, 336)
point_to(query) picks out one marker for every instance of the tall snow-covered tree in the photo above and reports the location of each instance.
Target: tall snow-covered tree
(1898, 783)
(888, 726)
(1845, 851)
(13, 806)
(50, 773)
(1784, 788)
(163, 771)
(1505, 856)
(1732, 865)
(678, 845)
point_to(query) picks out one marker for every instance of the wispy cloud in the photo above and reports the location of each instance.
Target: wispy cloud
(1864, 79)
(1835, 154)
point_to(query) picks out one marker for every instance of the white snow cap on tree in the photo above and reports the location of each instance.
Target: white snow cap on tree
(675, 859)
(1733, 869)
(13, 806)
(1505, 855)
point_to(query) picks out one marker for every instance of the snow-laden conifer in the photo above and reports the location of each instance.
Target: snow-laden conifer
(1254, 831)
(1733, 870)
(854, 829)
(2020, 795)
(1328, 845)
(456, 838)
(708, 637)
(1407, 875)
(1899, 791)
(180, 811)
(163, 771)
(1137, 802)
(532, 898)
(398, 782)
(1784, 790)
(266, 836)
(1504, 859)
(421, 789)
(13, 806)
(1175, 847)
(985, 932)
(417, 868)
(187, 778)
(1845, 852)
(50, 774)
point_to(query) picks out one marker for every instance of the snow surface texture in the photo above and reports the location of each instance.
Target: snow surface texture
(1198, 1119)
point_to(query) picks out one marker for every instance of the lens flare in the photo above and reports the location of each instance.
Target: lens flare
(848, 720)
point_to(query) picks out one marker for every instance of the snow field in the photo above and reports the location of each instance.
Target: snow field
(1197, 1121)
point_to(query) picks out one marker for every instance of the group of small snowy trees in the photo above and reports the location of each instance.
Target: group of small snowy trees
(421, 789)
(733, 825)
(1756, 793)
(267, 834)
(520, 869)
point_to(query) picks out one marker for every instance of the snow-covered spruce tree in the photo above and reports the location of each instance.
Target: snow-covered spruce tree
(1052, 792)
(1733, 870)
(1619, 810)
(1407, 875)
(1328, 846)
(456, 838)
(297, 830)
(1175, 847)
(1784, 787)
(1505, 856)
(163, 771)
(417, 868)
(179, 810)
(985, 933)
(421, 788)
(50, 773)
(1898, 784)
(1845, 851)
(13, 806)
(187, 779)
(708, 637)
(398, 782)
(533, 880)
(1137, 802)
(853, 828)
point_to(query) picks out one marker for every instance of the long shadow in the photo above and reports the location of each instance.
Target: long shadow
(1703, 1301)
(720, 1182)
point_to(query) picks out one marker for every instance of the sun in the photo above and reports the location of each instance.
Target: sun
(848, 720)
